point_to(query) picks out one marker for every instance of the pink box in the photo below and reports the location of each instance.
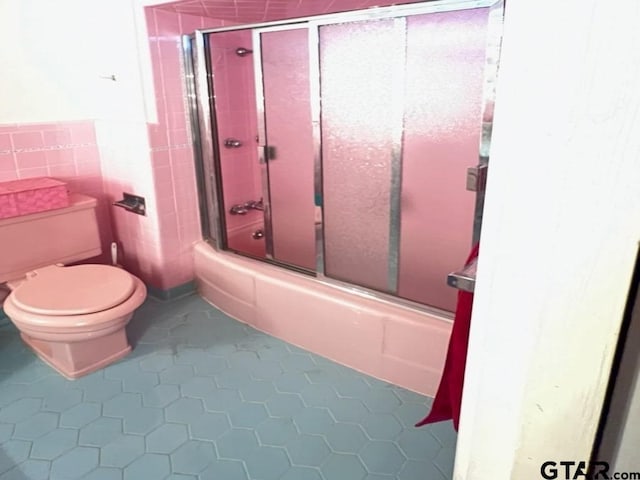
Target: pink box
(32, 195)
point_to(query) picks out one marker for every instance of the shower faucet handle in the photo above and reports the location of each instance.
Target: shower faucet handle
(243, 208)
(239, 209)
(254, 205)
(232, 143)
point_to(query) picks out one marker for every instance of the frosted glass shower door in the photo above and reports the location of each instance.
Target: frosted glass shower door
(442, 126)
(234, 106)
(289, 136)
(401, 102)
(357, 92)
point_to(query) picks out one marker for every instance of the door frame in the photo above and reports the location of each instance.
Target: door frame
(559, 237)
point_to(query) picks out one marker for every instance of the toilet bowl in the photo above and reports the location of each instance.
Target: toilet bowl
(74, 317)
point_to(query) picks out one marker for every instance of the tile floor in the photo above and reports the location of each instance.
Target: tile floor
(203, 396)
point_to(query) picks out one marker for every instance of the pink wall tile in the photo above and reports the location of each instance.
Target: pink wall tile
(158, 135)
(7, 176)
(163, 179)
(174, 101)
(33, 172)
(172, 84)
(171, 155)
(178, 137)
(61, 170)
(167, 24)
(190, 23)
(34, 150)
(5, 143)
(57, 137)
(31, 140)
(169, 50)
(83, 133)
(61, 156)
(86, 154)
(166, 203)
(176, 121)
(88, 169)
(31, 159)
(7, 162)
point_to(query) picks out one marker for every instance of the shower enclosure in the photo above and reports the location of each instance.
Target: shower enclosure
(345, 146)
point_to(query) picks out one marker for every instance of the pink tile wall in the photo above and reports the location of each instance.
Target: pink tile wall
(66, 151)
(127, 168)
(172, 161)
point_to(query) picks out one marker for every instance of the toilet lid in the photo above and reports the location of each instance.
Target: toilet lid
(76, 290)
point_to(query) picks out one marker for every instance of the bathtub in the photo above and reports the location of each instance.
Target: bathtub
(392, 342)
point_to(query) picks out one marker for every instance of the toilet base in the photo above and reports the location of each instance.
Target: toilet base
(76, 359)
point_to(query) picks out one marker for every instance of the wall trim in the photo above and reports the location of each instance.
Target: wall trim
(172, 293)
(4, 320)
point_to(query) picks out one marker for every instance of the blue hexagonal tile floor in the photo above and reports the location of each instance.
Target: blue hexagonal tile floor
(203, 396)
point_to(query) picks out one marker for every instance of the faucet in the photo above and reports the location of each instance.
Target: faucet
(243, 208)
(238, 210)
(254, 205)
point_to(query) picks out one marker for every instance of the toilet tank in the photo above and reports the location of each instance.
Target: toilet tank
(64, 235)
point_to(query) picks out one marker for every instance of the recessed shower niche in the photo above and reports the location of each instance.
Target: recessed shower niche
(339, 145)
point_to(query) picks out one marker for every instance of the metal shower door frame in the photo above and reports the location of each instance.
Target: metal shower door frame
(204, 131)
(201, 105)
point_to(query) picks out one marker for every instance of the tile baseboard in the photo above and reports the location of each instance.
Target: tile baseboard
(172, 293)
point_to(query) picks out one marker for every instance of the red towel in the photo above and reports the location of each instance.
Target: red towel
(446, 405)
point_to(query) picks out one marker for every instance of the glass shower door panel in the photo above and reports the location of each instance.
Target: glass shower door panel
(236, 118)
(445, 63)
(356, 91)
(289, 134)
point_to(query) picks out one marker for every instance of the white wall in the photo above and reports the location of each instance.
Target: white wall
(621, 438)
(559, 239)
(53, 54)
(625, 457)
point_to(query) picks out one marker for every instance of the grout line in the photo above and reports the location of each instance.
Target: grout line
(66, 146)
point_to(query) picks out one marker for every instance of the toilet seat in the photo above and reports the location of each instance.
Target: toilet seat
(77, 290)
(76, 344)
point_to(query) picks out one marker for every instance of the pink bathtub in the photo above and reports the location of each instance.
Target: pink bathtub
(391, 342)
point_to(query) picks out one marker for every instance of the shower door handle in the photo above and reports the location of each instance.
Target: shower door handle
(477, 178)
(464, 279)
(268, 153)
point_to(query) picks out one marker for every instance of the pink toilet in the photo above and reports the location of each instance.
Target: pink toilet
(73, 317)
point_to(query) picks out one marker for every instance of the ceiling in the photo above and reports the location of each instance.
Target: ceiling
(251, 11)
